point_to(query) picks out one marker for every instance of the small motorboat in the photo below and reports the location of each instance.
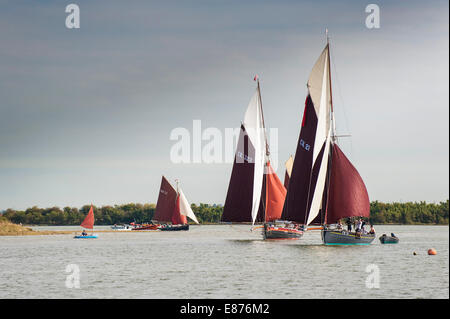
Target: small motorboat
(122, 227)
(385, 239)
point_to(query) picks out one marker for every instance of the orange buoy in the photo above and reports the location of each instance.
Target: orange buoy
(432, 251)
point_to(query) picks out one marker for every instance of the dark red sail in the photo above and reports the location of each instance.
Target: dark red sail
(238, 204)
(166, 202)
(295, 205)
(88, 222)
(348, 195)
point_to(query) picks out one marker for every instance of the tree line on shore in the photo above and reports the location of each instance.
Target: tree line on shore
(381, 213)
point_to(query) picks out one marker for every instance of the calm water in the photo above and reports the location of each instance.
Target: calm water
(223, 262)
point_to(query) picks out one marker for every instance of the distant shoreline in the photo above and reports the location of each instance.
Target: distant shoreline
(408, 213)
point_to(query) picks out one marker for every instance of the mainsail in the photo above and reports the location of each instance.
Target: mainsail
(348, 195)
(165, 206)
(88, 221)
(308, 178)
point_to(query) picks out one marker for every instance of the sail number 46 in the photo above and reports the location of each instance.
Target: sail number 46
(246, 308)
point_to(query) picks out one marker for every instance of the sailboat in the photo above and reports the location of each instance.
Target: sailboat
(324, 186)
(255, 193)
(88, 223)
(173, 207)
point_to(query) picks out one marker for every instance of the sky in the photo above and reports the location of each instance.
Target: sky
(86, 114)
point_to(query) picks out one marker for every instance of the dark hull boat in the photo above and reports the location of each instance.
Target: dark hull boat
(388, 239)
(275, 232)
(147, 227)
(174, 227)
(342, 237)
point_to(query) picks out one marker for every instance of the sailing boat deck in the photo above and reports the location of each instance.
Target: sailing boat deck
(272, 232)
(336, 237)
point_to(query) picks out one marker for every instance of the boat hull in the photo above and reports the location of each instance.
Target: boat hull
(174, 227)
(85, 237)
(335, 237)
(148, 227)
(273, 232)
(388, 240)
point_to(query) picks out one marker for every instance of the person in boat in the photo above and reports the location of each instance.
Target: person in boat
(349, 225)
(358, 225)
(83, 233)
(363, 223)
(393, 236)
(372, 230)
(339, 225)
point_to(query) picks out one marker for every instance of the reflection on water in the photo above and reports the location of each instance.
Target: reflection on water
(223, 261)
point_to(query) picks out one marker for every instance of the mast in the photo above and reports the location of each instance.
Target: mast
(266, 159)
(333, 137)
(262, 116)
(332, 119)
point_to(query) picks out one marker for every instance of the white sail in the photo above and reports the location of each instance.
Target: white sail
(254, 127)
(320, 90)
(185, 208)
(316, 202)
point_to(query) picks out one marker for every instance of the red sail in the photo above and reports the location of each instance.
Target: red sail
(275, 195)
(166, 202)
(88, 222)
(298, 195)
(348, 195)
(238, 204)
(177, 217)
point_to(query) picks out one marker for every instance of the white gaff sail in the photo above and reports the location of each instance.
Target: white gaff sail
(254, 127)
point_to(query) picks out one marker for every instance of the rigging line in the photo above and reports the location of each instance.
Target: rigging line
(342, 100)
